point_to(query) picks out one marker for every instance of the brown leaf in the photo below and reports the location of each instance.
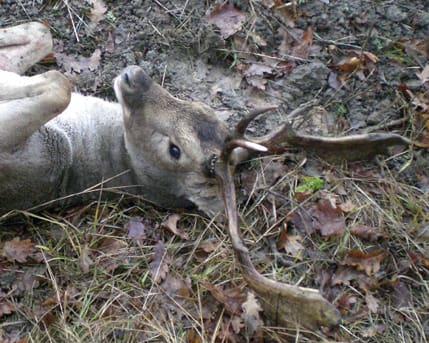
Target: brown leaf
(369, 262)
(6, 307)
(176, 286)
(348, 64)
(344, 303)
(136, 228)
(232, 298)
(371, 302)
(347, 206)
(369, 233)
(344, 275)
(97, 11)
(250, 315)
(290, 243)
(373, 330)
(302, 49)
(77, 64)
(171, 224)
(228, 19)
(160, 264)
(17, 250)
(328, 218)
(419, 259)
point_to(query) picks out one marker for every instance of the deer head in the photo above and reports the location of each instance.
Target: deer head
(172, 144)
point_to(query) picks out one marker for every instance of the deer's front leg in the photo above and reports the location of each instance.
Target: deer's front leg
(23, 45)
(27, 103)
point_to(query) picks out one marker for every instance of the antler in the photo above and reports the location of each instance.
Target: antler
(288, 303)
(285, 304)
(354, 147)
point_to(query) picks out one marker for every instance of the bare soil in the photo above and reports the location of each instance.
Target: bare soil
(88, 279)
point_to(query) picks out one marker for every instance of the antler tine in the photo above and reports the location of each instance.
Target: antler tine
(242, 125)
(239, 143)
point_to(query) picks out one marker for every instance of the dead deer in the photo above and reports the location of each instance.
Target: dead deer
(54, 143)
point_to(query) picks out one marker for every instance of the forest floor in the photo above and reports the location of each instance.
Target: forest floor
(356, 231)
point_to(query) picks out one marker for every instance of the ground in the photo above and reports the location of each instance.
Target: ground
(357, 231)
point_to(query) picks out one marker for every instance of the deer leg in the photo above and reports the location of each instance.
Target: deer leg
(23, 45)
(27, 103)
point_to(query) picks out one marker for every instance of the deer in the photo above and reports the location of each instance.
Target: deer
(57, 145)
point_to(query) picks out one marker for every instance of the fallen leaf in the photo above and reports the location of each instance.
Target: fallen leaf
(419, 259)
(250, 315)
(290, 243)
(97, 11)
(373, 330)
(6, 307)
(176, 286)
(160, 264)
(347, 206)
(232, 298)
(348, 64)
(302, 49)
(369, 233)
(171, 224)
(17, 250)
(136, 228)
(367, 261)
(77, 64)
(345, 302)
(344, 275)
(371, 302)
(227, 18)
(328, 218)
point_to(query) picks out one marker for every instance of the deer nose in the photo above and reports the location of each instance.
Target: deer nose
(135, 78)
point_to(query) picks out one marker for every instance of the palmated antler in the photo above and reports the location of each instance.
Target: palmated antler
(283, 304)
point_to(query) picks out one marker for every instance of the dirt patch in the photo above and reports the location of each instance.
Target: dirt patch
(361, 61)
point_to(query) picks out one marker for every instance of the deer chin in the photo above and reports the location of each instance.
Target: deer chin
(204, 193)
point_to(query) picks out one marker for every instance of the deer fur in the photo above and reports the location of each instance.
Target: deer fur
(55, 143)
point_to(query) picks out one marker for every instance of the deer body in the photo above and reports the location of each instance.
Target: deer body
(54, 143)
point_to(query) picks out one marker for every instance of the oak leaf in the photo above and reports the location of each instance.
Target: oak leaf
(367, 261)
(171, 224)
(160, 265)
(18, 250)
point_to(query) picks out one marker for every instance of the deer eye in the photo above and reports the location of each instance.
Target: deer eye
(174, 151)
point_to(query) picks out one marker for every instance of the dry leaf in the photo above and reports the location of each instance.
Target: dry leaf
(77, 64)
(227, 18)
(369, 262)
(159, 266)
(6, 307)
(328, 219)
(290, 243)
(136, 228)
(97, 11)
(302, 49)
(369, 233)
(17, 250)
(171, 224)
(371, 302)
(373, 330)
(347, 206)
(250, 315)
(232, 298)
